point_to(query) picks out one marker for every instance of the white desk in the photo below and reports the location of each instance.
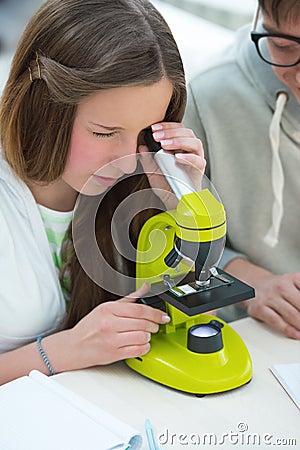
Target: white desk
(262, 405)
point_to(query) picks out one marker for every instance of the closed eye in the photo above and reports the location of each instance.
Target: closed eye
(283, 45)
(104, 135)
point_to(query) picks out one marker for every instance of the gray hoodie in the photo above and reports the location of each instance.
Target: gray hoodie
(251, 138)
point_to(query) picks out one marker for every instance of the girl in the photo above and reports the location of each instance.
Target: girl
(87, 77)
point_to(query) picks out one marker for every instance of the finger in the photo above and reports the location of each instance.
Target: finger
(133, 351)
(174, 132)
(194, 166)
(134, 338)
(292, 297)
(170, 133)
(143, 290)
(281, 325)
(297, 282)
(272, 318)
(131, 310)
(197, 161)
(183, 143)
(288, 312)
(131, 324)
(190, 159)
(166, 125)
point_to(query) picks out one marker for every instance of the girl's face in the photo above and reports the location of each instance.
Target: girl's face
(290, 76)
(104, 137)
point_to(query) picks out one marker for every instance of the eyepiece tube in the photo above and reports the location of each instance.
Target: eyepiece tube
(178, 179)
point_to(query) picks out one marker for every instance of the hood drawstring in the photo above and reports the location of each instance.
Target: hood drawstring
(271, 238)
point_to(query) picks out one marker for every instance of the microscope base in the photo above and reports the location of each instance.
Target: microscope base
(172, 364)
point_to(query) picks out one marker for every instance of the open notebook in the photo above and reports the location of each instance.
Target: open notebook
(288, 376)
(38, 413)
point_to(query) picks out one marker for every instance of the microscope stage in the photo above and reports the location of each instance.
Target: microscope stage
(192, 299)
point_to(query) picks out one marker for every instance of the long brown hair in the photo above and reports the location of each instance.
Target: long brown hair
(70, 50)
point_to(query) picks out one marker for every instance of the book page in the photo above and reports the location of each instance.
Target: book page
(35, 414)
(288, 376)
(94, 412)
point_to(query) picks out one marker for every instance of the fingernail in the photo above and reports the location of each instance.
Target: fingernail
(181, 156)
(156, 126)
(167, 142)
(144, 287)
(165, 319)
(297, 335)
(158, 135)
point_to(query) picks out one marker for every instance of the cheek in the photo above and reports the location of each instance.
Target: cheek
(75, 157)
(283, 74)
(84, 155)
(277, 71)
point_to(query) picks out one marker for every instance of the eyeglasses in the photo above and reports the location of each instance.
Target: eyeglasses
(279, 50)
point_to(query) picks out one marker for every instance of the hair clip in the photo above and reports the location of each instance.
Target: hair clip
(30, 74)
(33, 77)
(38, 65)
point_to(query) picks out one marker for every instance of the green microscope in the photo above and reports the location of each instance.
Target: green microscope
(177, 255)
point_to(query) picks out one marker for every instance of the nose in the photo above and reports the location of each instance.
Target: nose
(125, 158)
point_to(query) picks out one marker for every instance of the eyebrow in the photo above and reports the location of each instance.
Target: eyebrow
(105, 127)
(270, 29)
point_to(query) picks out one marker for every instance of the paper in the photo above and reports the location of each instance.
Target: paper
(38, 413)
(288, 376)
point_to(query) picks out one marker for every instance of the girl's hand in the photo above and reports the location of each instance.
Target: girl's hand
(116, 330)
(188, 151)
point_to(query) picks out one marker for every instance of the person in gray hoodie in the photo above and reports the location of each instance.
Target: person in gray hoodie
(245, 107)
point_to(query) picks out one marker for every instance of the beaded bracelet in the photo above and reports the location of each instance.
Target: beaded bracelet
(44, 356)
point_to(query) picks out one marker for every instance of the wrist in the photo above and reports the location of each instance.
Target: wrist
(44, 356)
(247, 272)
(61, 351)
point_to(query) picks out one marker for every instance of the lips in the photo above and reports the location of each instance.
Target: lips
(104, 181)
